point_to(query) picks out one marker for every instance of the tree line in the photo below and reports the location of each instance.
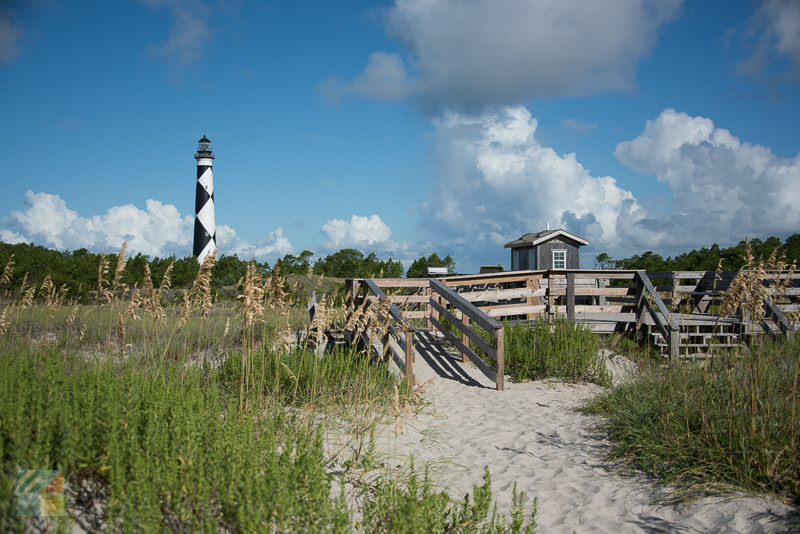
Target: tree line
(706, 259)
(78, 270)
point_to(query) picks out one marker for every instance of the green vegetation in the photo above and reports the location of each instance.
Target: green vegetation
(419, 267)
(399, 511)
(706, 259)
(204, 416)
(558, 350)
(77, 271)
(350, 263)
(541, 351)
(160, 446)
(730, 422)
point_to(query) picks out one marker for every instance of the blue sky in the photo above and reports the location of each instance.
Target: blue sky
(402, 127)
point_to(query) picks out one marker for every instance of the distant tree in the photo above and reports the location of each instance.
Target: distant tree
(227, 271)
(603, 261)
(419, 267)
(184, 272)
(291, 264)
(351, 263)
(345, 263)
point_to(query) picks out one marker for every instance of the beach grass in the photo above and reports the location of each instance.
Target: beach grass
(206, 416)
(727, 421)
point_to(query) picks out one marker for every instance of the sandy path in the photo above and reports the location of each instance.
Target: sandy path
(529, 435)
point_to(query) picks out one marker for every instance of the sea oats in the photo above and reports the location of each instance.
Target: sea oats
(119, 271)
(8, 272)
(4, 322)
(134, 304)
(47, 290)
(102, 281)
(252, 296)
(26, 293)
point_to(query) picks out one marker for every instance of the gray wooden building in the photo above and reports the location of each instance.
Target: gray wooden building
(542, 251)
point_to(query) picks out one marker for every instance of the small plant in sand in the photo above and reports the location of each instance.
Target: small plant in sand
(564, 350)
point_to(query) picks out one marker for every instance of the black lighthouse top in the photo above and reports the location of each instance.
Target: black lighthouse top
(204, 149)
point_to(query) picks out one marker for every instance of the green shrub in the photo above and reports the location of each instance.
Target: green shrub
(731, 420)
(418, 509)
(558, 350)
(159, 451)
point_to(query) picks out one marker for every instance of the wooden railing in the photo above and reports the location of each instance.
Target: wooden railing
(378, 332)
(773, 311)
(673, 316)
(442, 297)
(647, 299)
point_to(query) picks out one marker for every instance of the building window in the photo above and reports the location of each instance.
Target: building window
(559, 259)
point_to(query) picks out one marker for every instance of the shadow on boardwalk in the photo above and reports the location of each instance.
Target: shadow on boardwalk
(442, 363)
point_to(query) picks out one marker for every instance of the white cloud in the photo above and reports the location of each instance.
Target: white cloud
(773, 32)
(12, 238)
(368, 234)
(384, 78)
(11, 32)
(496, 182)
(358, 230)
(722, 188)
(467, 54)
(160, 230)
(189, 33)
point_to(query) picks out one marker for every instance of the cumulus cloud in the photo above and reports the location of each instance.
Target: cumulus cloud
(273, 246)
(189, 33)
(384, 78)
(367, 234)
(772, 34)
(467, 54)
(159, 230)
(357, 231)
(495, 182)
(722, 188)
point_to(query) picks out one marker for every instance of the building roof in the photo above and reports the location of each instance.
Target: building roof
(534, 238)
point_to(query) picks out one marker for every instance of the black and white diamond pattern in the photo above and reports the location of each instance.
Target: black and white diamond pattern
(205, 235)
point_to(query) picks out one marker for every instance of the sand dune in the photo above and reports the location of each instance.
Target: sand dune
(528, 434)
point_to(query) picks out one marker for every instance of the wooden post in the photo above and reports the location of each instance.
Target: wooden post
(530, 283)
(427, 292)
(465, 337)
(410, 358)
(550, 298)
(348, 298)
(674, 342)
(601, 300)
(571, 298)
(500, 335)
(387, 346)
(431, 311)
(639, 304)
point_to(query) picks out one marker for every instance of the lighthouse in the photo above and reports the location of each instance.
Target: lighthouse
(205, 233)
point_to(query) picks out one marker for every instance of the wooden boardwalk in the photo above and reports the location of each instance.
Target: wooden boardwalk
(675, 316)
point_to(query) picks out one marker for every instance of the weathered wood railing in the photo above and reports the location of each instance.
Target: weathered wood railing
(647, 299)
(394, 341)
(674, 317)
(442, 297)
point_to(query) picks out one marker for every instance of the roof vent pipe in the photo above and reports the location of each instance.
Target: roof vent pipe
(548, 226)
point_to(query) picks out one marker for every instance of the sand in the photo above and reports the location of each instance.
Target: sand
(530, 435)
